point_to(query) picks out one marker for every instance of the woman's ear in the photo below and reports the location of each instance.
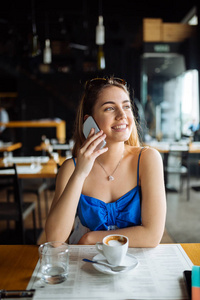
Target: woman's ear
(85, 117)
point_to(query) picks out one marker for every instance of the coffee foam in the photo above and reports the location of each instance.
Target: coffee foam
(115, 241)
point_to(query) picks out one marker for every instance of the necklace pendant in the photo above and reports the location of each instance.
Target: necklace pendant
(110, 178)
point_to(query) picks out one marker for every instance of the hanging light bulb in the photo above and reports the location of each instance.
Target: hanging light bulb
(35, 42)
(101, 64)
(47, 55)
(100, 32)
(100, 41)
(35, 45)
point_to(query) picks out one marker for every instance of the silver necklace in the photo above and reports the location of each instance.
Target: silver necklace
(110, 177)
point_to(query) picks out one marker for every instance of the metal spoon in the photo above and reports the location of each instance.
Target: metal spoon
(115, 269)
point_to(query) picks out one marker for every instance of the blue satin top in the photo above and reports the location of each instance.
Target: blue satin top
(124, 212)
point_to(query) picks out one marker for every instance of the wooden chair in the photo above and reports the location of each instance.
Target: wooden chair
(17, 210)
(37, 189)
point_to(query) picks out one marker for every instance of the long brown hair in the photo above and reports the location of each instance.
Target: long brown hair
(91, 93)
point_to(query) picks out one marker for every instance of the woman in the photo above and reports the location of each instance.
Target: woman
(119, 187)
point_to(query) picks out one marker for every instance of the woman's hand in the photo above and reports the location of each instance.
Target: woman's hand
(88, 153)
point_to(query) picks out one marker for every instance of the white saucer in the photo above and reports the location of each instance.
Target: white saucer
(130, 261)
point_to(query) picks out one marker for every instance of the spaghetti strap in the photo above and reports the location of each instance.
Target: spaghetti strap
(74, 161)
(138, 166)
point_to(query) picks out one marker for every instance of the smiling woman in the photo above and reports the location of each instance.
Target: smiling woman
(119, 186)
(92, 92)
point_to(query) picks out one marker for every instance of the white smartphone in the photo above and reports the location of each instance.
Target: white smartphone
(87, 126)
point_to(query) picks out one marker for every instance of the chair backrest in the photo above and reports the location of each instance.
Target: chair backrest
(9, 179)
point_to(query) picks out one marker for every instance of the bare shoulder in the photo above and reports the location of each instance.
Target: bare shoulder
(67, 167)
(68, 163)
(147, 153)
(150, 157)
(150, 153)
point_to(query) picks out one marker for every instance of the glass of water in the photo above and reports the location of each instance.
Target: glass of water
(54, 262)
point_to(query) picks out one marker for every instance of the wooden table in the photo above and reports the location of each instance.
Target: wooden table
(17, 263)
(194, 147)
(164, 147)
(48, 170)
(10, 147)
(57, 147)
(59, 125)
(8, 95)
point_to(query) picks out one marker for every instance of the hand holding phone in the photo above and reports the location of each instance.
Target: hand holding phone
(87, 126)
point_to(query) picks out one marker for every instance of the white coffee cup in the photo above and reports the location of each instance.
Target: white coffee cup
(114, 247)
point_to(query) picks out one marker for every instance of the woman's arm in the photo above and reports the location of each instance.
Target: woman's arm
(63, 209)
(153, 197)
(69, 185)
(153, 207)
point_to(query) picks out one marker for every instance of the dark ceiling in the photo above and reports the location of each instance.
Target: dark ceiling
(76, 20)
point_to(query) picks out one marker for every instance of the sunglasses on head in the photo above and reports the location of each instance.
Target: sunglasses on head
(101, 81)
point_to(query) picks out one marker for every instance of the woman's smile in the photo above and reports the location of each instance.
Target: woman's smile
(120, 127)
